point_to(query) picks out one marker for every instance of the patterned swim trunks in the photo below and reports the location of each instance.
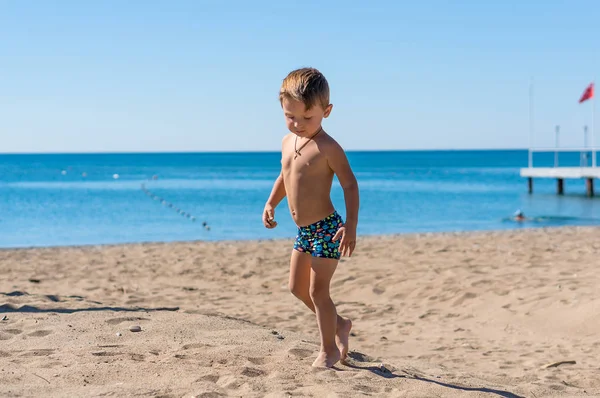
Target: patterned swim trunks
(317, 239)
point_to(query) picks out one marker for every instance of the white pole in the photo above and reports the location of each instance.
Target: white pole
(593, 129)
(556, 144)
(530, 153)
(583, 155)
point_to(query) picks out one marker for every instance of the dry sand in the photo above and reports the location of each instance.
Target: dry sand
(470, 314)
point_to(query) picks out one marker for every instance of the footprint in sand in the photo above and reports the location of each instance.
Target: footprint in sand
(300, 353)
(211, 394)
(40, 333)
(195, 346)
(116, 321)
(41, 352)
(466, 296)
(8, 334)
(378, 290)
(365, 389)
(253, 372)
(258, 360)
(134, 301)
(209, 378)
(106, 354)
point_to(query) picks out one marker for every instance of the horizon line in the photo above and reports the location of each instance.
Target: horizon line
(223, 152)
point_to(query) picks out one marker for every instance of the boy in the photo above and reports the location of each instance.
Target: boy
(309, 160)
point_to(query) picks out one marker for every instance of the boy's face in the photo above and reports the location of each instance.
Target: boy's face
(300, 121)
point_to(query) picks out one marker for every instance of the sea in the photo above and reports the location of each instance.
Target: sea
(112, 198)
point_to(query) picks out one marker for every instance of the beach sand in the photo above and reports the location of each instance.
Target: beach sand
(435, 315)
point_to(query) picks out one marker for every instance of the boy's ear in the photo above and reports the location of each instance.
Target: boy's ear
(328, 110)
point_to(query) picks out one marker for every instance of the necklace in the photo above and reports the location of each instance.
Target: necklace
(297, 151)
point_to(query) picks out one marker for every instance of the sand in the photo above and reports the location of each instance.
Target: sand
(435, 315)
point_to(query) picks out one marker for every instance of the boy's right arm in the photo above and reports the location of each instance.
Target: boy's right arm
(277, 195)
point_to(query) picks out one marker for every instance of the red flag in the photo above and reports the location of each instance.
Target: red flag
(588, 93)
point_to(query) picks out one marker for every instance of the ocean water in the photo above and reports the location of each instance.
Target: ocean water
(79, 199)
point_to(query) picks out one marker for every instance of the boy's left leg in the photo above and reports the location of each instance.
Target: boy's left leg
(300, 270)
(322, 270)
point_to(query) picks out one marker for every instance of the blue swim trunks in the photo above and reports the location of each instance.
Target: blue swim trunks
(317, 239)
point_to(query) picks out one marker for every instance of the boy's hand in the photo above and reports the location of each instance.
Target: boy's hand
(269, 217)
(348, 240)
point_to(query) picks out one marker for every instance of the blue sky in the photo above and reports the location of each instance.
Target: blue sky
(82, 76)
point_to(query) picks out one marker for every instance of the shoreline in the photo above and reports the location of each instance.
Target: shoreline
(292, 237)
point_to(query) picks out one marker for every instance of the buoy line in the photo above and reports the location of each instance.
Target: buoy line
(164, 202)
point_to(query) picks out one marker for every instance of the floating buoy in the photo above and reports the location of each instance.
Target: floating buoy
(170, 205)
(116, 176)
(64, 172)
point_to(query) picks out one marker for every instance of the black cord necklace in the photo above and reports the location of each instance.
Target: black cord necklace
(297, 151)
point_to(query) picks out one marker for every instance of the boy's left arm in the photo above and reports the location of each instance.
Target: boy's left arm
(336, 157)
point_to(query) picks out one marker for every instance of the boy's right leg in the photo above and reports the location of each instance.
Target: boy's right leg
(300, 269)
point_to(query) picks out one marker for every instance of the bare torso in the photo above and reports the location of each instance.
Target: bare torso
(307, 179)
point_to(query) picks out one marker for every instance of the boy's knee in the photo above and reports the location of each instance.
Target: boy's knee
(296, 290)
(319, 294)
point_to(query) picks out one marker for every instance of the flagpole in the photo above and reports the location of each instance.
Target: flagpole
(593, 127)
(530, 153)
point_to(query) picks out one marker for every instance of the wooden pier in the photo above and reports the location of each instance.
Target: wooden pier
(562, 173)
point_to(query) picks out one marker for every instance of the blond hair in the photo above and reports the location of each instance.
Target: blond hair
(306, 85)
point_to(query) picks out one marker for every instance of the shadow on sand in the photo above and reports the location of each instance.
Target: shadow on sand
(8, 308)
(364, 362)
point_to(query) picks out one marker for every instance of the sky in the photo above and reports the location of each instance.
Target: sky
(204, 75)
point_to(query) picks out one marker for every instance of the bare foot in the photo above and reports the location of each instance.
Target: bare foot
(325, 360)
(342, 336)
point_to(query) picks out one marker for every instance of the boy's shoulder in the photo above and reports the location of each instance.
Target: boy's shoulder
(328, 143)
(286, 138)
(286, 142)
